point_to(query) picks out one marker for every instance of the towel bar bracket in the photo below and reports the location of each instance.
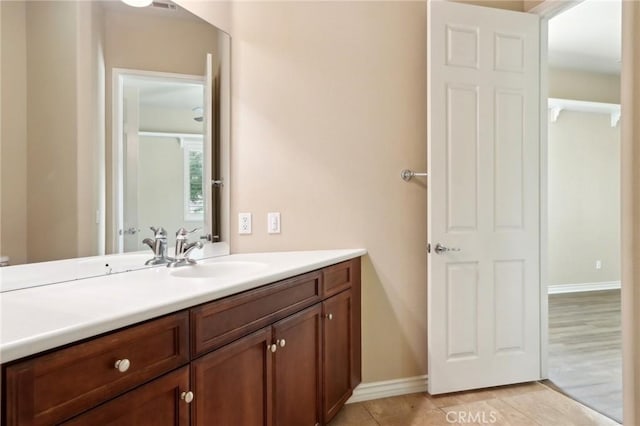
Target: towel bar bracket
(407, 174)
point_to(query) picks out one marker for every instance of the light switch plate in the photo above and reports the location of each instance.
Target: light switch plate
(273, 222)
(244, 223)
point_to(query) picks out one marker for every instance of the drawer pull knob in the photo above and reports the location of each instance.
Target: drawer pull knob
(122, 365)
(282, 342)
(329, 317)
(187, 396)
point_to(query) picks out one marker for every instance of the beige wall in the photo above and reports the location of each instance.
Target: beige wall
(584, 85)
(51, 147)
(90, 85)
(151, 43)
(51, 129)
(327, 109)
(584, 199)
(13, 137)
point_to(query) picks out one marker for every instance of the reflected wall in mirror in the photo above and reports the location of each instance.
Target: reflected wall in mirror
(64, 161)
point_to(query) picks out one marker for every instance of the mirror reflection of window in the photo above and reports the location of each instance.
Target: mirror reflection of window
(193, 176)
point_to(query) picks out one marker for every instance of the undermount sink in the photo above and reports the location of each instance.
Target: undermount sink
(219, 269)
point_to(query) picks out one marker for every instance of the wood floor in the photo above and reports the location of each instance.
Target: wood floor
(530, 404)
(585, 348)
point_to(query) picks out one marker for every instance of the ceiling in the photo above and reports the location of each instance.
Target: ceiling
(587, 37)
(167, 94)
(155, 9)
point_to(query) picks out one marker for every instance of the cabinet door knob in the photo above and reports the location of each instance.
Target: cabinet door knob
(272, 347)
(329, 317)
(186, 396)
(122, 365)
(281, 342)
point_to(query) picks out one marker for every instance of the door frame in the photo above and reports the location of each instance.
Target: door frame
(117, 142)
(546, 10)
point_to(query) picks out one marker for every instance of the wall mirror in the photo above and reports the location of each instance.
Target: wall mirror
(114, 119)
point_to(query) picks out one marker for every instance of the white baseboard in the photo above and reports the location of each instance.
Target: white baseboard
(574, 288)
(387, 388)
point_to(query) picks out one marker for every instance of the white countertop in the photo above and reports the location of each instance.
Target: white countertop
(40, 318)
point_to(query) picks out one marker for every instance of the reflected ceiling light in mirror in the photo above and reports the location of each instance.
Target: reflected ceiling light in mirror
(137, 3)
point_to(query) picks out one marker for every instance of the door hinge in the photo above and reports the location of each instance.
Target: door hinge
(429, 248)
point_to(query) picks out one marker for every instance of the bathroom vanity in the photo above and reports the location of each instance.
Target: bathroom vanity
(224, 343)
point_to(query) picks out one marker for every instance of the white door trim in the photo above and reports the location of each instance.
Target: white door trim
(546, 10)
(544, 200)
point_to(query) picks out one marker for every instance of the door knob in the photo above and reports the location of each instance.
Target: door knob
(439, 248)
(129, 231)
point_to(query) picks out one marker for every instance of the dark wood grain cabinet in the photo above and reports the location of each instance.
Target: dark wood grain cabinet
(338, 350)
(162, 402)
(53, 387)
(233, 384)
(297, 375)
(286, 353)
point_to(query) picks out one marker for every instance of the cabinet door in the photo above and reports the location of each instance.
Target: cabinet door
(232, 385)
(296, 370)
(337, 352)
(158, 403)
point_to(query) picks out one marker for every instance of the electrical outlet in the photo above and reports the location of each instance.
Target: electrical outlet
(244, 223)
(598, 264)
(273, 223)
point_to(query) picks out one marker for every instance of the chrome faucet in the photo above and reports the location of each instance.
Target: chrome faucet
(159, 247)
(183, 248)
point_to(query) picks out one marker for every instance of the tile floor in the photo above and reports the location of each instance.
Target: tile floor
(518, 405)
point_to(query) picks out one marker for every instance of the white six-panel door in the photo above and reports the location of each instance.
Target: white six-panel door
(483, 123)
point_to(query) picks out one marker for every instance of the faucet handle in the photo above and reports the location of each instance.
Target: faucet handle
(183, 232)
(158, 232)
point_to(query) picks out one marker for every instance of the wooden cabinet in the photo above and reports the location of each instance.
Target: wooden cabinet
(53, 387)
(283, 354)
(233, 385)
(271, 377)
(297, 367)
(337, 352)
(162, 402)
(217, 323)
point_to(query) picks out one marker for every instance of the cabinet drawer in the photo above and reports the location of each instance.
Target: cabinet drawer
(338, 277)
(218, 323)
(53, 387)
